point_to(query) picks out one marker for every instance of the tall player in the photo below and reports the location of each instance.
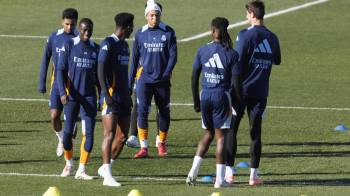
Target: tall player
(51, 50)
(216, 60)
(155, 49)
(113, 62)
(77, 80)
(258, 49)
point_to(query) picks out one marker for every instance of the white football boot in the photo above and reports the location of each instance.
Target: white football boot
(132, 142)
(67, 171)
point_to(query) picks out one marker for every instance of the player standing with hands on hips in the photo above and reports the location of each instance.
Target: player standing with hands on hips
(154, 49)
(258, 49)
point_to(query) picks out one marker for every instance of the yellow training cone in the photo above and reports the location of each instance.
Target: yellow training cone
(215, 194)
(52, 191)
(135, 192)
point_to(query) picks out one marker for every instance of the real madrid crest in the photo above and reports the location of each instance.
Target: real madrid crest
(163, 38)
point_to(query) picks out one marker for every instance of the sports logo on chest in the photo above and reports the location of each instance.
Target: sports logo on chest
(155, 44)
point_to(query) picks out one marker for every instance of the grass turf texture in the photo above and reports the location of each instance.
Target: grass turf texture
(301, 153)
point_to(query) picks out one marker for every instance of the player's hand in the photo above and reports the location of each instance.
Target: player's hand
(109, 100)
(43, 91)
(64, 99)
(165, 77)
(196, 106)
(99, 107)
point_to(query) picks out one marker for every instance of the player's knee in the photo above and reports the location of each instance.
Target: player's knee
(108, 134)
(55, 115)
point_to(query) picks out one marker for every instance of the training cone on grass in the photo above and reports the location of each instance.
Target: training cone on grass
(242, 165)
(215, 194)
(135, 192)
(341, 128)
(52, 191)
(206, 179)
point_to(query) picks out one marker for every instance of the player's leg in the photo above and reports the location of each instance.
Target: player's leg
(231, 140)
(56, 108)
(157, 123)
(220, 155)
(222, 120)
(133, 141)
(88, 110)
(71, 110)
(109, 124)
(120, 138)
(144, 97)
(162, 100)
(204, 142)
(255, 110)
(202, 149)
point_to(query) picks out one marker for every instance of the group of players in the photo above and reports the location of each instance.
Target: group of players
(83, 71)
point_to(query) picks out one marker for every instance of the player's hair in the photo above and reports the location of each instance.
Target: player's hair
(160, 6)
(257, 7)
(221, 24)
(70, 13)
(86, 21)
(123, 19)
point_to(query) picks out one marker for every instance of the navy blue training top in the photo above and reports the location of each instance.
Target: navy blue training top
(155, 49)
(216, 63)
(114, 54)
(258, 49)
(52, 49)
(79, 60)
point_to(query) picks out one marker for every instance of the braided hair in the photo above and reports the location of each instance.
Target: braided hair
(221, 24)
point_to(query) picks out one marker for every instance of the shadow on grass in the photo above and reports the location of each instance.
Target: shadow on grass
(24, 161)
(20, 131)
(10, 144)
(310, 182)
(304, 173)
(307, 144)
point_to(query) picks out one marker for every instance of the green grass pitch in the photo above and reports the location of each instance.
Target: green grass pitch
(302, 155)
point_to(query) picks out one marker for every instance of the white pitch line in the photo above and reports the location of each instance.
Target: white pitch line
(96, 177)
(191, 104)
(22, 99)
(200, 35)
(245, 22)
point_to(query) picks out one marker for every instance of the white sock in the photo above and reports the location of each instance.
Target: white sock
(112, 161)
(253, 173)
(197, 161)
(229, 171)
(60, 135)
(81, 167)
(107, 168)
(220, 173)
(143, 143)
(69, 162)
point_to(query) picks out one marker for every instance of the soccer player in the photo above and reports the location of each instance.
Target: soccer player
(216, 60)
(113, 62)
(51, 51)
(155, 49)
(133, 141)
(258, 49)
(77, 80)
